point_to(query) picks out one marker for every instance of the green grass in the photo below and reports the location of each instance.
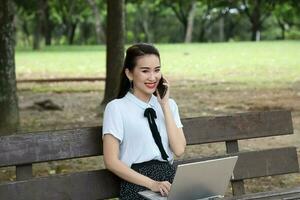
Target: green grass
(261, 63)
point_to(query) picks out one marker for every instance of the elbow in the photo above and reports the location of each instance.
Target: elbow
(109, 164)
(180, 151)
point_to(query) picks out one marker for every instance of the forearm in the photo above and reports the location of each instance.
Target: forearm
(128, 174)
(176, 137)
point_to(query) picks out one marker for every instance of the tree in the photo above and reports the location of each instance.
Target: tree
(190, 22)
(210, 12)
(287, 15)
(257, 12)
(48, 25)
(39, 19)
(185, 13)
(9, 114)
(114, 48)
(100, 35)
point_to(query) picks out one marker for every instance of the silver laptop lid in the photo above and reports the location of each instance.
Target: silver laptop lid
(202, 179)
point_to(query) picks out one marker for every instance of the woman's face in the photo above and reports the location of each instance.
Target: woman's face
(145, 76)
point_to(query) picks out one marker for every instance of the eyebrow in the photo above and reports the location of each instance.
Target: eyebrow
(149, 67)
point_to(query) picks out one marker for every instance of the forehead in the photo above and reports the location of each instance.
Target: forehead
(150, 60)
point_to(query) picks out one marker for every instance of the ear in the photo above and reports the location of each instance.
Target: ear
(128, 74)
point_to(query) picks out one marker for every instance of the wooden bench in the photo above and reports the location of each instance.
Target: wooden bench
(25, 149)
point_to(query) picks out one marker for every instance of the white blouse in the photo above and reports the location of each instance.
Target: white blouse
(124, 119)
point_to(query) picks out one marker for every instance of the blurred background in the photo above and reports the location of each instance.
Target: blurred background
(83, 22)
(60, 62)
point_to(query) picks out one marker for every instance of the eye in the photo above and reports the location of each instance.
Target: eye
(145, 71)
(157, 70)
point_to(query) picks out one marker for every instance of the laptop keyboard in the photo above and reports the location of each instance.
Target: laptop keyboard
(153, 195)
(156, 196)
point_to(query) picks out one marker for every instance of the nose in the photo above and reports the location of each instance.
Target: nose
(152, 76)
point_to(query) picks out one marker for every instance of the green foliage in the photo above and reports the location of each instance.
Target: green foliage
(162, 21)
(293, 34)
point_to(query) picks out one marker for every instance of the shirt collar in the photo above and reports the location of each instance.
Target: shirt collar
(141, 103)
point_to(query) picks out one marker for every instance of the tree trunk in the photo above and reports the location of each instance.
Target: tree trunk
(69, 23)
(143, 19)
(202, 33)
(255, 32)
(255, 18)
(47, 25)
(26, 31)
(149, 37)
(38, 25)
(114, 48)
(9, 114)
(71, 32)
(283, 32)
(99, 29)
(221, 29)
(190, 23)
(282, 28)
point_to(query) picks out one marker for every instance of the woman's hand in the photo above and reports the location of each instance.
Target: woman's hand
(163, 187)
(165, 99)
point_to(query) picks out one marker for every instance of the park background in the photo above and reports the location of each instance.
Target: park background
(221, 57)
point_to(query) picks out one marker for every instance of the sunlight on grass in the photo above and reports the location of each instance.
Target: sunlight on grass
(246, 62)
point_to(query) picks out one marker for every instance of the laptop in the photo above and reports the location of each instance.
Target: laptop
(199, 180)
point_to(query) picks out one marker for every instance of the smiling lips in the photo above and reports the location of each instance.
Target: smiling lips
(150, 85)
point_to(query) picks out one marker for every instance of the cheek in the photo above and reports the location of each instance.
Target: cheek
(139, 77)
(159, 75)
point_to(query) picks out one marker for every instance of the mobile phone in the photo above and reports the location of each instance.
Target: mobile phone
(161, 88)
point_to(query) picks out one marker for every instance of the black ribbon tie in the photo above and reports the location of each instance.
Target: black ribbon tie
(151, 116)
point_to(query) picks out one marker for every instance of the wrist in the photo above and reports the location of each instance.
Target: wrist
(165, 106)
(150, 183)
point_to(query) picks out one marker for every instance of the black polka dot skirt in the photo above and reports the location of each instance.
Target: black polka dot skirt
(154, 169)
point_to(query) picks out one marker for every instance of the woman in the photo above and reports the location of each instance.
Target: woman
(141, 132)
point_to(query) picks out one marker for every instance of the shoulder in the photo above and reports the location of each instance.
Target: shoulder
(114, 105)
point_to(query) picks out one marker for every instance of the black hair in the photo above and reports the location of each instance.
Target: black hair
(132, 53)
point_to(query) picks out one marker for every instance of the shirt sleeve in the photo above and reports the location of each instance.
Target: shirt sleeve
(112, 121)
(175, 112)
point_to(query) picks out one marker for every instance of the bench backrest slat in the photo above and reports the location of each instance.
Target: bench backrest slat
(255, 164)
(100, 184)
(48, 146)
(238, 126)
(83, 142)
(103, 184)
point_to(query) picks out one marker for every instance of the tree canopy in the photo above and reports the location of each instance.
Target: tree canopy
(159, 21)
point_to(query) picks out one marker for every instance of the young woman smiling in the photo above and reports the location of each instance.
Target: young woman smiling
(141, 131)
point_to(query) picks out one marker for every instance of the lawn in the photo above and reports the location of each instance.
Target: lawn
(255, 63)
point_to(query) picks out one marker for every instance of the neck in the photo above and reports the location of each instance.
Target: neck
(143, 97)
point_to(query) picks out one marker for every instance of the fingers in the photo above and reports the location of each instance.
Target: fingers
(166, 80)
(166, 84)
(164, 188)
(157, 93)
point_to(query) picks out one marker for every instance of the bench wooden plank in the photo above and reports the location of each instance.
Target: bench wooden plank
(103, 184)
(261, 163)
(50, 145)
(83, 142)
(239, 126)
(99, 184)
(255, 164)
(282, 194)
